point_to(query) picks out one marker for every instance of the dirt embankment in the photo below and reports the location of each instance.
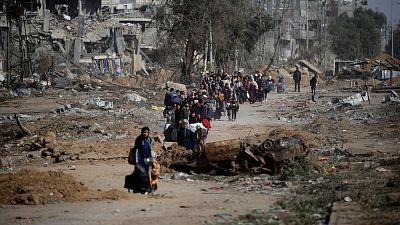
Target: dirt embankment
(35, 188)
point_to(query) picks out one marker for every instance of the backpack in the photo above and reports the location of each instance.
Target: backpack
(175, 99)
(132, 156)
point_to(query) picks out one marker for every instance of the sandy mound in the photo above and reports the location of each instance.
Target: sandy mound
(169, 155)
(347, 83)
(156, 78)
(33, 188)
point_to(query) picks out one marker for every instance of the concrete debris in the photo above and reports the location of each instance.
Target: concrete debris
(175, 86)
(66, 17)
(35, 154)
(20, 91)
(3, 162)
(355, 100)
(133, 97)
(106, 105)
(25, 130)
(393, 97)
(381, 169)
(348, 199)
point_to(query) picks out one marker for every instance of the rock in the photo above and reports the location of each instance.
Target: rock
(133, 97)
(16, 158)
(381, 169)
(176, 86)
(35, 154)
(60, 110)
(61, 158)
(46, 153)
(100, 131)
(73, 167)
(117, 211)
(74, 157)
(347, 199)
(50, 140)
(36, 146)
(3, 162)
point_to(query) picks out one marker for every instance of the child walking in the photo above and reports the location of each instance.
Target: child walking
(234, 109)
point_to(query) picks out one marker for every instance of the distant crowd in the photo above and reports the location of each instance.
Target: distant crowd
(217, 95)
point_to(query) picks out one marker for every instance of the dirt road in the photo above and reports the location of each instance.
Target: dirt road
(101, 139)
(181, 200)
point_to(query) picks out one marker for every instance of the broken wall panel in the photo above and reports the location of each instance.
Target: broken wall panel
(90, 6)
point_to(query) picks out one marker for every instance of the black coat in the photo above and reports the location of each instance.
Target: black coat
(313, 82)
(297, 75)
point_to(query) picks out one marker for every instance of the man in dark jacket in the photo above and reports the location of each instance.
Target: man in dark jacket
(297, 79)
(313, 84)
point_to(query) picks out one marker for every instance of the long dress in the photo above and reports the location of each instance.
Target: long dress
(143, 154)
(253, 92)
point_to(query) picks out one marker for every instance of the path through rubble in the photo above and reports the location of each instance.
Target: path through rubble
(179, 200)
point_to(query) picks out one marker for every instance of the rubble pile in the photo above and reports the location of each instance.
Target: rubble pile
(88, 124)
(36, 188)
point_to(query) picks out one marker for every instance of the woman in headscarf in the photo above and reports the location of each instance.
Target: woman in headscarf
(253, 90)
(143, 147)
(186, 136)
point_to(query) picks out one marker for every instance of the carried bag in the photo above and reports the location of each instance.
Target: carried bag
(132, 156)
(131, 182)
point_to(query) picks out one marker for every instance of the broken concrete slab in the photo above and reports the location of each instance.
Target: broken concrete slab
(393, 97)
(176, 86)
(355, 100)
(100, 103)
(133, 97)
(35, 154)
(3, 162)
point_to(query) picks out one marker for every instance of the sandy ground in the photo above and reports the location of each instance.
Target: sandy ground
(176, 201)
(184, 200)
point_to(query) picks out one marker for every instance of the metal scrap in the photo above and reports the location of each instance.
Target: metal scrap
(232, 156)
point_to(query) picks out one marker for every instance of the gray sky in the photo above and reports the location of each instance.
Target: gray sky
(385, 6)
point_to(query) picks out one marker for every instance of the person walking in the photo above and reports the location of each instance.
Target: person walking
(186, 136)
(253, 91)
(270, 86)
(313, 84)
(143, 148)
(234, 109)
(297, 79)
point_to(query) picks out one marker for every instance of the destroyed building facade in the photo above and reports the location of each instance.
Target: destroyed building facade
(301, 26)
(70, 37)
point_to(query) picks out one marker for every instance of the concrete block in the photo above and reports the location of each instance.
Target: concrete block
(3, 162)
(35, 154)
(77, 50)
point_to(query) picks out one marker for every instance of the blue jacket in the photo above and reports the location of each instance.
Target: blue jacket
(143, 149)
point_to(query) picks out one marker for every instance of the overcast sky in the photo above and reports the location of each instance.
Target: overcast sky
(385, 6)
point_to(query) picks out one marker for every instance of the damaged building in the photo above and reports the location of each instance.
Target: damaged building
(69, 38)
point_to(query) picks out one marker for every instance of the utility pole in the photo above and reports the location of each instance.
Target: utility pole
(8, 53)
(236, 59)
(205, 56)
(211, 49)
(307, 26)
(391, 22)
